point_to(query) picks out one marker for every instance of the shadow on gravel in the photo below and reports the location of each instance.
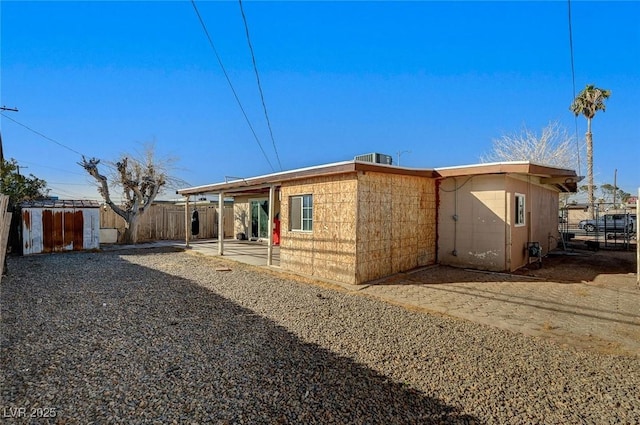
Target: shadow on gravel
(102, 340)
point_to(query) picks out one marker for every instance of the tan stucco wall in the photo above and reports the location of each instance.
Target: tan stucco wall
(485, 235)
(478, 235)
(241, 223)
(541, 224)
(329, 251)
(396, 228)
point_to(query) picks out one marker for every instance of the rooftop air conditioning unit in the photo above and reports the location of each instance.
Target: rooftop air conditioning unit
(376, 158)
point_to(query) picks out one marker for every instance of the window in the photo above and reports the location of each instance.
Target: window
(301, 213)
(520, 210)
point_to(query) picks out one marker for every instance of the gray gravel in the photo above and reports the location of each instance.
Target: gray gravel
(158, 336)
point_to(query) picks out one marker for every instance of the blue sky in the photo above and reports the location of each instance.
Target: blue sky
(437, 81)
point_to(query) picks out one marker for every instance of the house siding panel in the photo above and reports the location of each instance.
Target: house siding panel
(478, 234)
(541, 224)
(485, 235)
(329, 250)
(396, 224)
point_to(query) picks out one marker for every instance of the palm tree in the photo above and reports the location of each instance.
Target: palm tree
(588, 102)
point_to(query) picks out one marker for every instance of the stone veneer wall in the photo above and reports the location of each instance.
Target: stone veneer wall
(396, 228)
(329, 251)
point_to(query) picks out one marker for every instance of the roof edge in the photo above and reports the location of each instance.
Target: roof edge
(524, 167)
(343, 167)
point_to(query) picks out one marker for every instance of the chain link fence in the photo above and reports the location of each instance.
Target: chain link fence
(604, 227)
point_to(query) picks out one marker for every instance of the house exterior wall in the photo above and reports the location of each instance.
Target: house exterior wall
(472, 225)
(396, 224)
(242, 214)
(485, 234)
(329, 250)
(241, 223)
(541, 222)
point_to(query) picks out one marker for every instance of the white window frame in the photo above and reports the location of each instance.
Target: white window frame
(520, 210)
(304, 215)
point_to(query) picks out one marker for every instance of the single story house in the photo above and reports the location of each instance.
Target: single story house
(357, 221)
(489, 214)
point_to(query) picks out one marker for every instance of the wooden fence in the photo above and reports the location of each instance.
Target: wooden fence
(166, 222)
(5, 225)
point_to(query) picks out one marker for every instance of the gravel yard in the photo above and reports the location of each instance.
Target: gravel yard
(161, 336)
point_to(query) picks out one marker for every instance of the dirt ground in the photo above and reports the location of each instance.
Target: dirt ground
(583, 265)
(571, 266)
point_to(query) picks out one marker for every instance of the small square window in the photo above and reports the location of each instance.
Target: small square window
(301, 213)
(520, 210)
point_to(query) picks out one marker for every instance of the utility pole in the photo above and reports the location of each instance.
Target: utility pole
(4, 108)
(400, 153)
(615, 187)
(6, 215)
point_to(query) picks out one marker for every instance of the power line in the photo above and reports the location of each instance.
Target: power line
(224, 71)
(72, 194)
(255, 68)
(69, 184)
(573, 80)
(52, 168)
(41, 135)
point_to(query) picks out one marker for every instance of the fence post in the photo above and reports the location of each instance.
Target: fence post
(5, 226)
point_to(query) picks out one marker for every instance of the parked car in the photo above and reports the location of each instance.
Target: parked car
(610, 222)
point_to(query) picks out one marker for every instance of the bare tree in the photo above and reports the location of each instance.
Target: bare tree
(141, 180)
(553, 147)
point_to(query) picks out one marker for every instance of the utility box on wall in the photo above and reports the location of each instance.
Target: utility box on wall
(56, 226)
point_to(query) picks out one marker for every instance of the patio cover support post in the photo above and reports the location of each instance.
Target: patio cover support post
(220, 223)
(270, 226)
(186, 222)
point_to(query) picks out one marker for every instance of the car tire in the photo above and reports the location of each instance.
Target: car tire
(589, 227)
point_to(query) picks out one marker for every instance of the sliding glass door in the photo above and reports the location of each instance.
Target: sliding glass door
(259, 209)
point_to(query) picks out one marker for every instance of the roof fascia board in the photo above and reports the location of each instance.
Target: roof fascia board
(518, 167)
(392, 169)
(271, 179)
(264, 181)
